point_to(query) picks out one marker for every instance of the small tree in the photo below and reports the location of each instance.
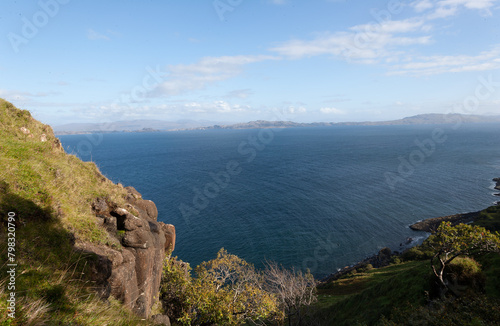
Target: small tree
(293, 289)
(226, 291)
(236, 288)
(450, 242)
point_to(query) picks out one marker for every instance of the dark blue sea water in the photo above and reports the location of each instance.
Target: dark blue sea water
(318, 198)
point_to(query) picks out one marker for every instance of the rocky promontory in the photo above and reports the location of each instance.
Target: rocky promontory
(130, 271)
(431, 224)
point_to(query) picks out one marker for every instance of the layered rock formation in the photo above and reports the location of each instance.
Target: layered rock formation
(130, 269)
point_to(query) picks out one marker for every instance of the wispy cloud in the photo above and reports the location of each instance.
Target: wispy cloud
(20, 95)
(95, 36)
(331, 110)
(117, 111)
(239, 93)
(447, 8)
(437, 64)
(182, 78)
(366, 43)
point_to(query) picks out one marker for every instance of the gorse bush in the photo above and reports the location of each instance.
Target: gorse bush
(229, 291)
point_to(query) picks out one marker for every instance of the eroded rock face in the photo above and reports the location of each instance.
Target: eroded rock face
(131, 274)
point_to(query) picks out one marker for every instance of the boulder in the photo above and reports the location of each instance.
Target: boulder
(161, 320)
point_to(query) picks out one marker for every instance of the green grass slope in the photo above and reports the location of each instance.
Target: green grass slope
(364, 297)
(401, 294)
(50, 193)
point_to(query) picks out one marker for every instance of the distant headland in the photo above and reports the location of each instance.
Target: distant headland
(181, 125)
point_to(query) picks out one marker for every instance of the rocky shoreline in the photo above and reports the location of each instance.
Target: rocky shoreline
(431, 224)
(384, 257)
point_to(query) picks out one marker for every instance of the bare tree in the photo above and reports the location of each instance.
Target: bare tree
(293, 289)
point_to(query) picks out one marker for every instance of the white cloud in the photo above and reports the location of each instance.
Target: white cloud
(366, 43)
(447, 8)
(331, 110)
(183, 78)
(239, 93)
(431, 65)
(294, 110)
(422, 5)
(93, 35)
(23, 96)
(124, 111)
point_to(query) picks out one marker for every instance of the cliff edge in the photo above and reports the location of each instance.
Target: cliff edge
(71, 220)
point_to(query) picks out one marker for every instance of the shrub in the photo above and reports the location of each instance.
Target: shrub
(416, 253)
(226, 291)
(176, 288)
(365, 268)
(465, 273)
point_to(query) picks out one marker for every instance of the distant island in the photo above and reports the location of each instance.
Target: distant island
(182, 125)
(433, 118)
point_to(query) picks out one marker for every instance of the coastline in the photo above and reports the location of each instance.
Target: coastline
(429, 225)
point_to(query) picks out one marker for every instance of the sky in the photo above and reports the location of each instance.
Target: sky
(240, 60)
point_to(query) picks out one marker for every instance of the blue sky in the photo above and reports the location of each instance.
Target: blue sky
(241, 60)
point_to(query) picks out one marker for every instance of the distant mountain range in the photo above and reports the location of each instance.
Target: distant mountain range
(130, 126)
(158, 125)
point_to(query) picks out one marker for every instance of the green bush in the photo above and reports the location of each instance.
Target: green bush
(365, 268)
(466, 273)
(416, 253)
(176, 288)
(226, 291)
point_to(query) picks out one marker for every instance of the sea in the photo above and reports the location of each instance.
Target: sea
(317, 198)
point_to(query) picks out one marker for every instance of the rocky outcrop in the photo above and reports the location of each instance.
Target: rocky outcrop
(130, 269)
(162, 320)
(497, 186)
(431, 224)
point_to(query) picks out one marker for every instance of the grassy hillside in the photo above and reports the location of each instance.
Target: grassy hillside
(51, 194)
(365, 296)
(404, 293)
